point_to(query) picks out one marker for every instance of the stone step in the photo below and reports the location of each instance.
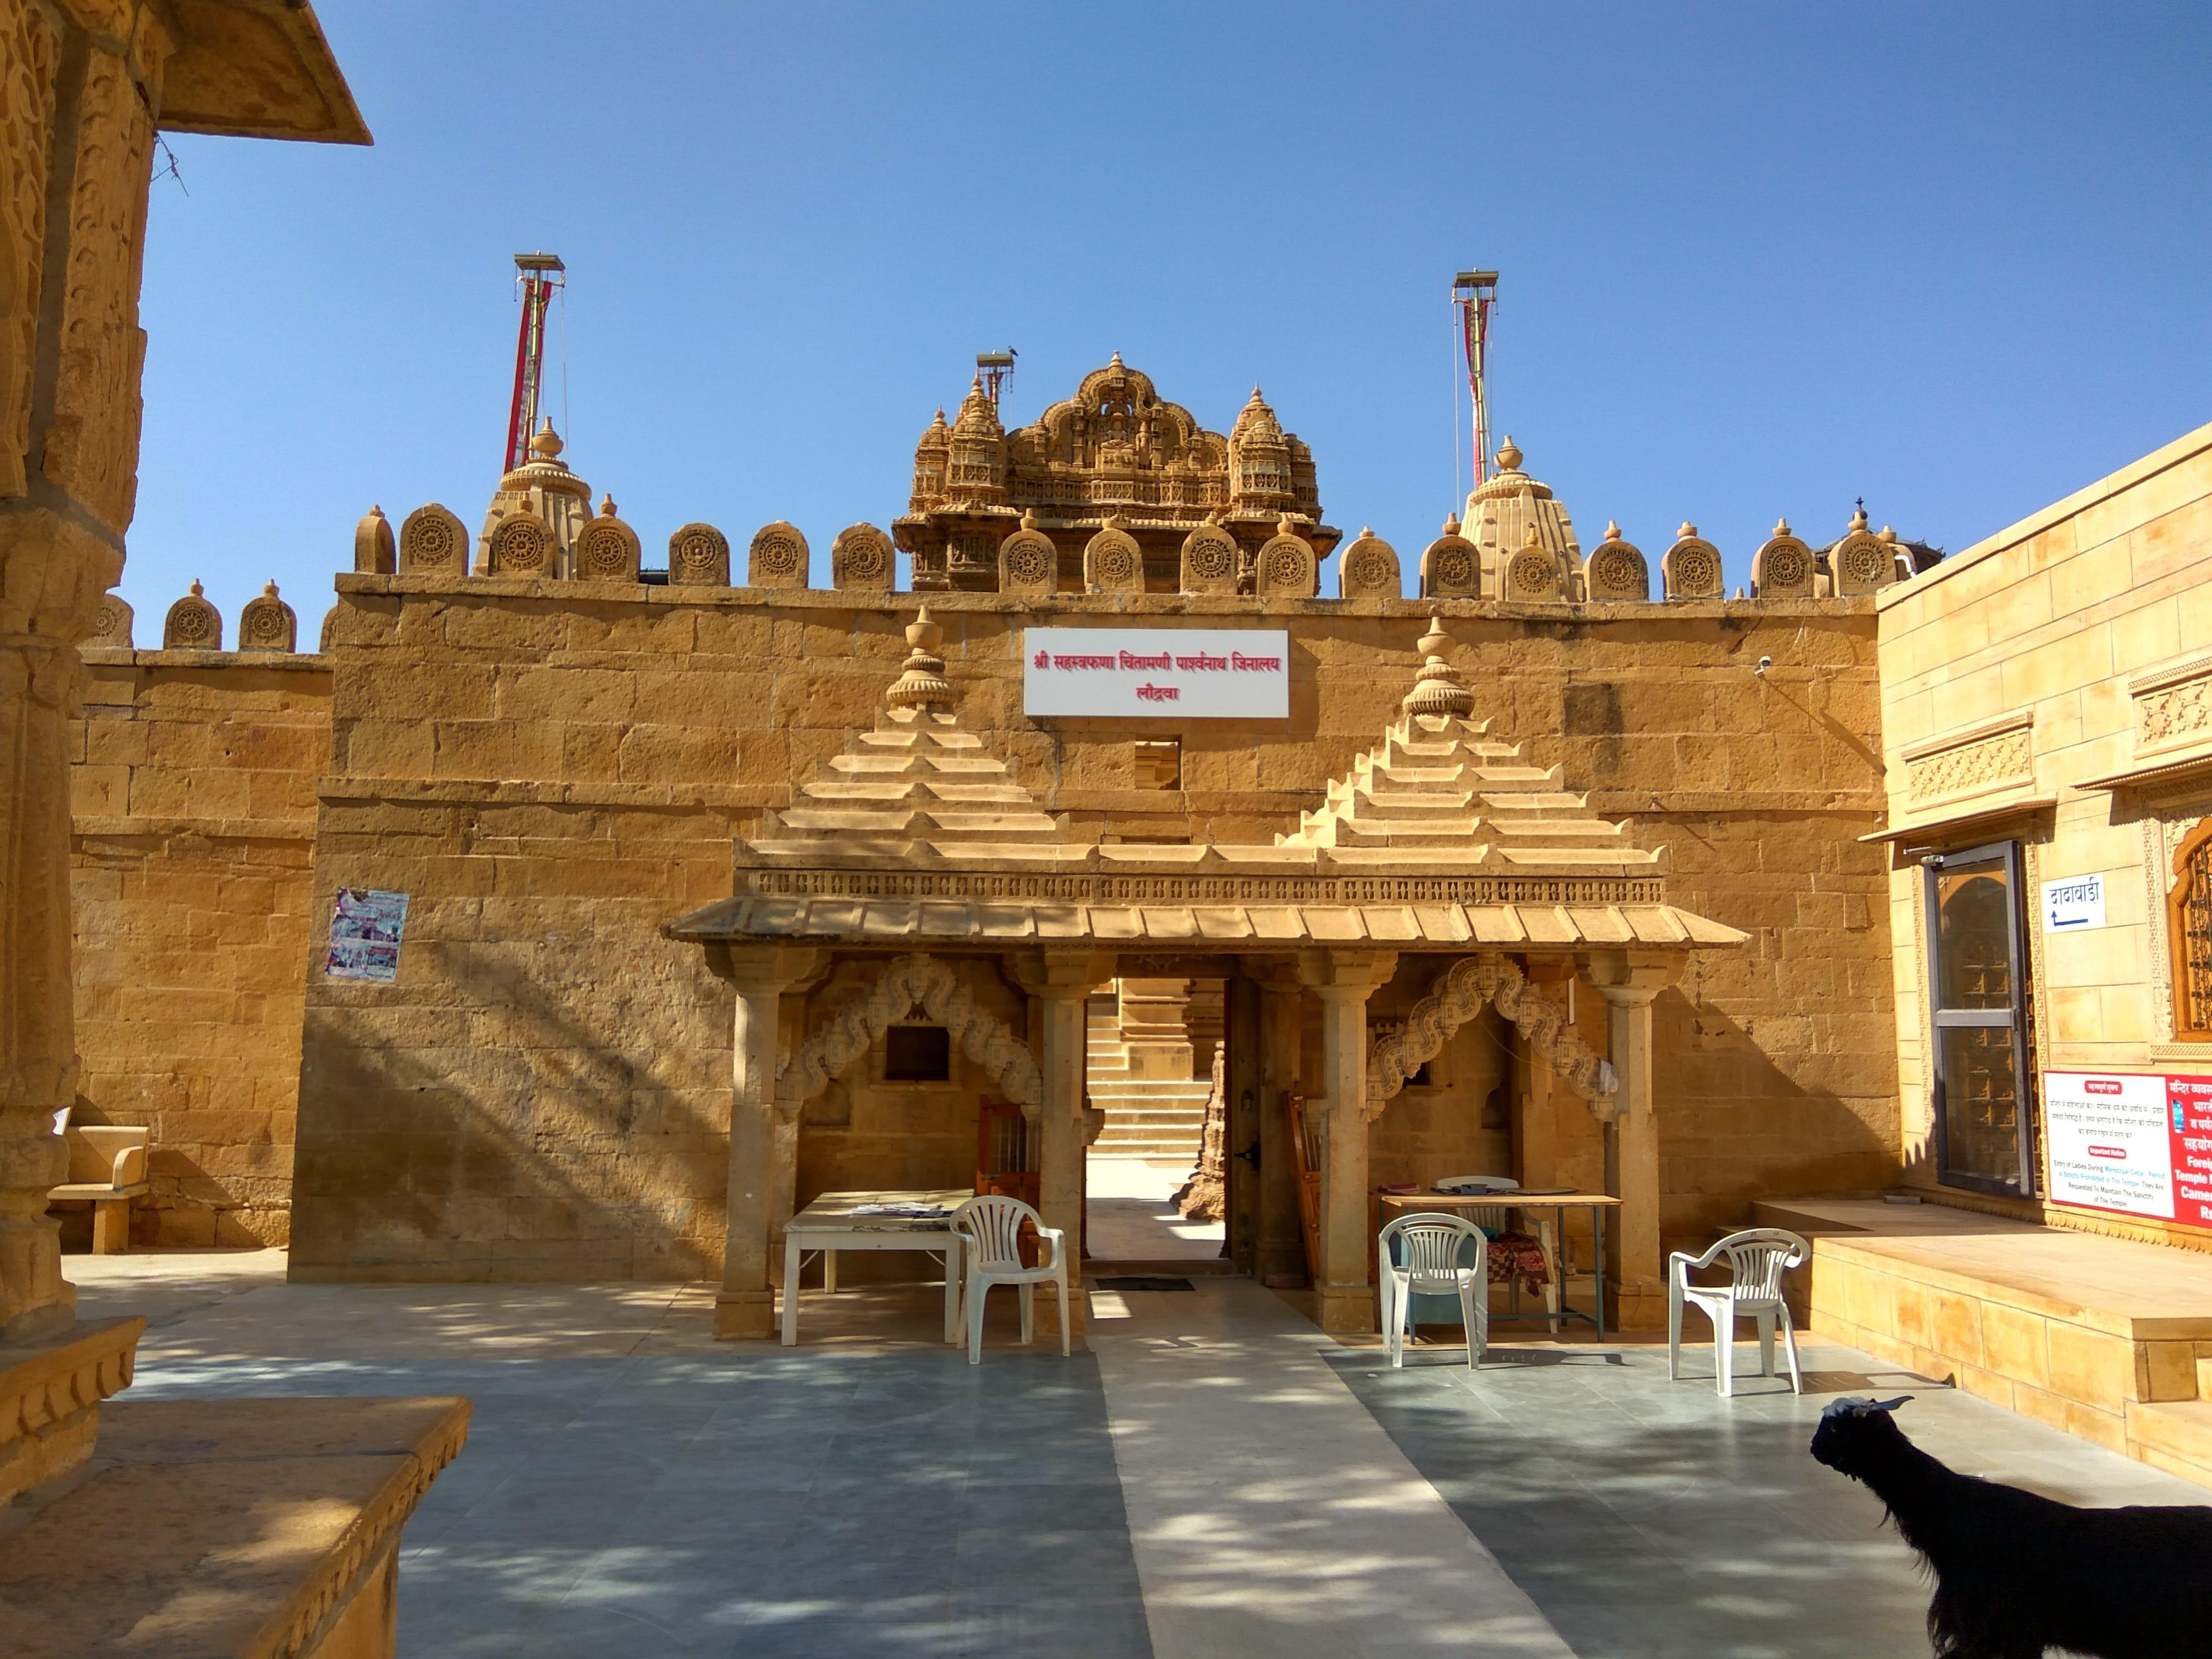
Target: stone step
(2173, 1434)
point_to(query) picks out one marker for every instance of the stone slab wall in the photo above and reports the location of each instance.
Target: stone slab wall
(2075, 645)
(551, 770)
(194, 820)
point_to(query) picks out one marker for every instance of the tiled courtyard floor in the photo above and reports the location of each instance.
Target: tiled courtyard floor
(1214, 1478)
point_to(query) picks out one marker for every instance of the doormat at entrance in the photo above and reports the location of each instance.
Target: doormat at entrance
(1142, 1282)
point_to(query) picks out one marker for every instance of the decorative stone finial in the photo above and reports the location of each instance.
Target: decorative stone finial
(922, 683)
(1533, 539)
(1687, 533)
(1438, 689)
(1509, 454)
(1613, 530)
(606, 507)
(547, 444)
(1116, 362)
(269, 588)
(1886, 534)
(1781, 526)
(197, 593)
(1859, 519)
(1451, 523)
(1029, 518)
(1286, 524)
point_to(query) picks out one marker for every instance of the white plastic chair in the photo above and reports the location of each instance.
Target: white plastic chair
(1431, 1245)
(993, 1226)
(1757, 1258)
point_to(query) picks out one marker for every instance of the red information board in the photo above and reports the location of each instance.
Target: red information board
(2138, 1143)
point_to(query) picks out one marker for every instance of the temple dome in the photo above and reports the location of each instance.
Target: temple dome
(1505, 508)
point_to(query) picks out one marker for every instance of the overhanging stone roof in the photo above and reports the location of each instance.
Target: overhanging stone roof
(1439, 838)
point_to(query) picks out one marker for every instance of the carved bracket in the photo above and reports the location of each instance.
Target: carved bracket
(1457, 996)
(986, 1039)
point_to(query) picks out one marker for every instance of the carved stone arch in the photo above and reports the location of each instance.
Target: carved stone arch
(607, 550)
(192, 624)
(1029, 561)
(1452, 568)
(1368, 569)
(268, 624)
(1113, 562)
(1616, 571)
(698, 556)
(433, 542)
(1209, 560)
(1287, 568)
(1692, 568)
(855, 1028)
(1783, 566)
(861, 557)
(1457, 996)
(111, 623)
(523, 544)
(777, 558)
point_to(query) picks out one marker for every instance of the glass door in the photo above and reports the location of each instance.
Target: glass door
(1977, 978)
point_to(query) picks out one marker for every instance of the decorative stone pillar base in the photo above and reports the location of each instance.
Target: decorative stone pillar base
(50, 1388)
(742, 1313)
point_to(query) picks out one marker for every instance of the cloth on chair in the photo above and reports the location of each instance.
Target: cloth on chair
(1519, 1257)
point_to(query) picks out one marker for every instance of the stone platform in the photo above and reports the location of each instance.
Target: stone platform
(226, 1529)
(2105, 1338)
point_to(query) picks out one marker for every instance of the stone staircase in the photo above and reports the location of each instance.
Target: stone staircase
(1157, 1119)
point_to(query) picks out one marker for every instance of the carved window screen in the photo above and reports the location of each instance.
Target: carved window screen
(2189, 926)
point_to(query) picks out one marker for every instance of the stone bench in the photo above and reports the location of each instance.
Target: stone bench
(107, 1170)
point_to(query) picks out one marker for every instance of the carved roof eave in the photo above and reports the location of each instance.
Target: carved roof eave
(865, 922)
(902, 894)
(1323, 537)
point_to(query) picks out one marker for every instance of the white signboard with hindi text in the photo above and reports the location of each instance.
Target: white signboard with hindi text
(2109, 1141)
(2074, 904)
(1180, 673)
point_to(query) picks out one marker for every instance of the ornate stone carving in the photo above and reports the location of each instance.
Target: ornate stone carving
(374, 552)
(192, 624)
(1113, 562)
(855, 1028)
(1533, 575)
(1209, 560)
(28, 55)
(1692, 568)
(1983, 762)
(1782, 568)
(607, 550)
(1457, 995)
(1451, 568)
(268, 624)
(778, 557)
(1507, 511)
(111, 623)
(2173, 704)
(522, 545)
(1616, 570)
(1029, 561)
(861, 557)
(433, 542)
(1862, 563)
(1285, 567)
(1368, 569)
(698, 556)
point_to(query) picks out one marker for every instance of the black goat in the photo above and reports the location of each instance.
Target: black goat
(2016, 1573)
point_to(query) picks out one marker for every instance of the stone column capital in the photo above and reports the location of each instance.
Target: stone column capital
(766, 969)
(1346, 976)
(1058, 976)
(1629, 979)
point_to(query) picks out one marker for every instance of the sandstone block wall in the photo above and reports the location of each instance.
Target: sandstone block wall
(2071, 647)
(194, 819)
(552, 771)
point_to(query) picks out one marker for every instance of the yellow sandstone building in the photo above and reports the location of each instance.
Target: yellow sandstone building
(1572, 869)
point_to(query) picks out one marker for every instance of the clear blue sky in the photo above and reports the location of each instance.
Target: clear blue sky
(1757, 259)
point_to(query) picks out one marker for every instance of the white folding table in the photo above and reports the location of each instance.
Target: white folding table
(829, 1225)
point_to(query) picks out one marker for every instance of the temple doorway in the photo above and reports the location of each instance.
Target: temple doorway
(1154, 1186)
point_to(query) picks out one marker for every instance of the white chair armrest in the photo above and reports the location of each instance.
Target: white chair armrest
(1057, 1237)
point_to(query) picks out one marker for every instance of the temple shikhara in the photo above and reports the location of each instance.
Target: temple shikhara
(558, 908)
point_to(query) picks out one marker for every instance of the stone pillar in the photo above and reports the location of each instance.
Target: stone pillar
(1628, 981)
(1280, 1256)
(1536, 1120)
(1241, 1085)
(764, 1144)
(79, 144)
(1061, 982)
(1344, 980)
(1155, 1028)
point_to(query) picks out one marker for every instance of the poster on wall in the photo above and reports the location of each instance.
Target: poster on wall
(366, 926)
(1147, 673)
(2138, 1143)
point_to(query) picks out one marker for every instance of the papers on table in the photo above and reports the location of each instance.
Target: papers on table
(907, 1212)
